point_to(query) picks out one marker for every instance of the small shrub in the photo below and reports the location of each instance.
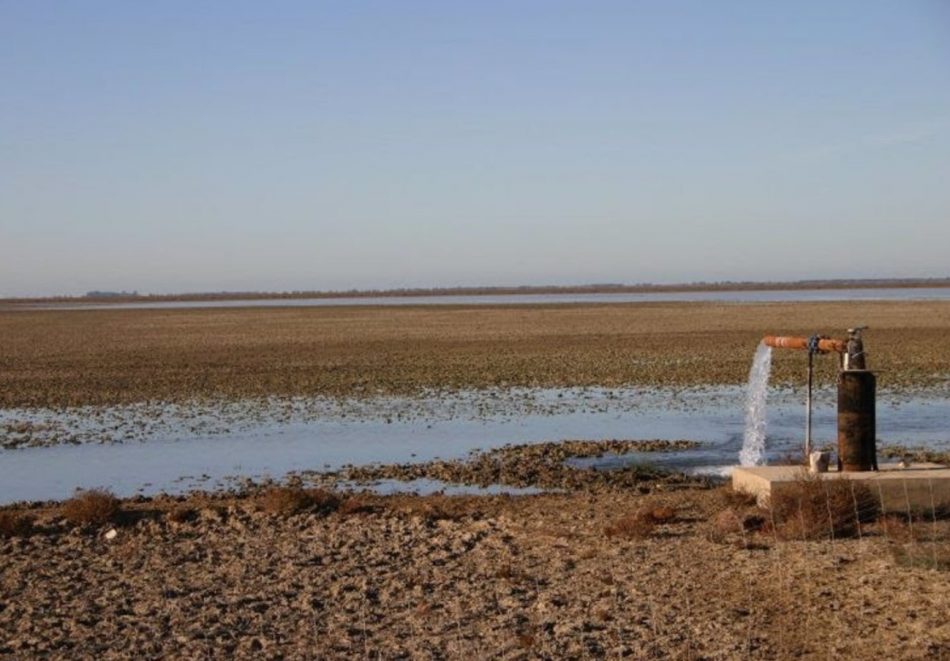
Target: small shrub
(526, 641)
(663, 514)
(641, 523)
(284, 500)
(924, 556)
(818, 508)
(902, 528)
(13, 524)
(292, 500)
(181, 514)
(726, 522)
(92, 507)
(638, 525)
(736, 499)
(356, 505)
(734, 521)
(323, 501)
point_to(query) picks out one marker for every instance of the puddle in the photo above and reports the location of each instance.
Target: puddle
(148, 449)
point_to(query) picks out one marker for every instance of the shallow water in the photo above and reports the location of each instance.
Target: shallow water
(751, 296)
(176, 449)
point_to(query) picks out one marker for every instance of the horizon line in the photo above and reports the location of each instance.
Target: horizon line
(482, 290)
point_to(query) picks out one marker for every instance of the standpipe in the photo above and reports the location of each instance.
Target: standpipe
(857, 449)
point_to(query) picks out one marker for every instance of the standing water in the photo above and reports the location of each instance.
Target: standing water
(753, 444)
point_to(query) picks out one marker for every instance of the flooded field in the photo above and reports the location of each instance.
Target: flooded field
(174, 448)
(147, 401)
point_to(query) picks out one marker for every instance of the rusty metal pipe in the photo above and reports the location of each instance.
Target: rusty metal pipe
(857, 450)
(824, 344)
(857, 446)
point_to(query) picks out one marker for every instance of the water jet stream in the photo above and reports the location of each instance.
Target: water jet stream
(753, 444)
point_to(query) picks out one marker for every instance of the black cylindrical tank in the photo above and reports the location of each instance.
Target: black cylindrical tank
(857, 448)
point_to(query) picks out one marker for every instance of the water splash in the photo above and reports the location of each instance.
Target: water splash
(753, 444)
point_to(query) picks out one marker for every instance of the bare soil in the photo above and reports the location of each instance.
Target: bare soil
(551, 576)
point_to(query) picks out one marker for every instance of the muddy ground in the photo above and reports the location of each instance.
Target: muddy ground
(550, 576)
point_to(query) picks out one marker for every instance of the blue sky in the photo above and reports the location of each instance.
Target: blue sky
(204, 146)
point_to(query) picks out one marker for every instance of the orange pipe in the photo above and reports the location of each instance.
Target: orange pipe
(824, 344)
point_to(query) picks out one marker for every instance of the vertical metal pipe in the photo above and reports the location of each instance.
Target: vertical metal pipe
(857, 448)
(811, 371)
(854, 355)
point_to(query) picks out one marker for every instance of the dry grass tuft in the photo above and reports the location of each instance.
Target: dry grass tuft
(643, 522)
(285, 500)
(897, 528)
(916, 454)
(92, 507)
(930, 555)
(663, 514)
(637, 525)
(731, 499)
(732, 521)
(526, 641)
(437, 507)
(356, 505)
(292, 500)
(323, 501)
(822, 508)
(726, 522)
(14, 524)
(182, 514)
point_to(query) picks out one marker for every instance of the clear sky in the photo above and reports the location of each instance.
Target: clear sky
(205, 146)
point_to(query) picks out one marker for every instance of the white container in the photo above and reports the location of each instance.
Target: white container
(818, 461)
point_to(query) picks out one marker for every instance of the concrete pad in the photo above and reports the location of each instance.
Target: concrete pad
(917, 487)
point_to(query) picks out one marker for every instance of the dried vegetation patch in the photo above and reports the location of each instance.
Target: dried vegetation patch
(915, 454)
(93, 507)
(815, 508)
(287, 500)
(15, 524)
(54, 358)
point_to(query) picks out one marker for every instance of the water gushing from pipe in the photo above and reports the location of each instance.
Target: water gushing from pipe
(753, 444)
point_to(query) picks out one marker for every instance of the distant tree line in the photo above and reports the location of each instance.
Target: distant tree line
(111, 294)
(644, 287)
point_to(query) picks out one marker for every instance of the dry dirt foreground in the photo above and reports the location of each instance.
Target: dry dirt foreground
(448, 578)
(55, 358)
